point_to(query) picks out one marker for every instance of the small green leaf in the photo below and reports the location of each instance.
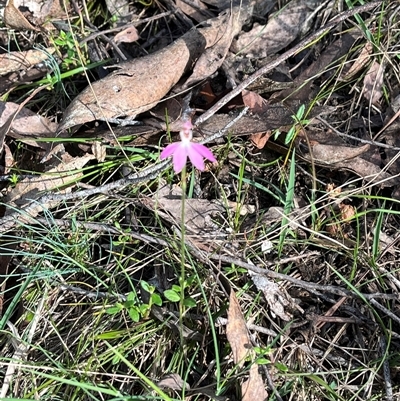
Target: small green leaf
(134, 314)
(131, 297)
(190, 302)
(176, 288)
(115, 309)
(290, 135)
(300, 112)
(147, 287)
(281, 367)
(144, 308)
(156, 299)
(263, 361)
(172, 296)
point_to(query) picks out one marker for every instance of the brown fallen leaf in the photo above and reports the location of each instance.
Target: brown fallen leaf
(199, 14)
(137, 85)
(17, 61)
(223, 29)
(199, 213)
(281, 30)
(359, 63)
(373, 83)
(237, 332)
(254, 388)
(331, 155)
(14, 18)
(128, 35)
(257, 104)
(26, 125)
(239, 340)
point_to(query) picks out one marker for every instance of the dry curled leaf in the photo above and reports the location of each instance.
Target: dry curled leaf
(173, 381)
(14, 18)
(27, 125)
(221, 31)
(257, 104)
(128, 35)
(278, 301)
(360, 62)
(17, 61)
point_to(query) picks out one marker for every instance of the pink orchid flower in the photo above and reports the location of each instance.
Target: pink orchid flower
(181, 150)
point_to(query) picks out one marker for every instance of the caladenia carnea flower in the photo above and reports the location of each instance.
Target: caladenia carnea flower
(181, 150)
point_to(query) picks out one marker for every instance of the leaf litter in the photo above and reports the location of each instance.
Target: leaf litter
(335, 140)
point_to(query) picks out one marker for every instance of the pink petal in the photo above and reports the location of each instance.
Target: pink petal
(195, 157)
(204, 151)
(180, 158)
(169, 150)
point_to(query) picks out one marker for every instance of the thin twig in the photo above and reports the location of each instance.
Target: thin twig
(120, 28)
(374, 143)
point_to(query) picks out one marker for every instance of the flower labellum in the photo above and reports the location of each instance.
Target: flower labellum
(181, 150)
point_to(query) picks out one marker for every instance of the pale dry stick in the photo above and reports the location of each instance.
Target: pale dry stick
(374, 143)
(275, 63)
(386, 311)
